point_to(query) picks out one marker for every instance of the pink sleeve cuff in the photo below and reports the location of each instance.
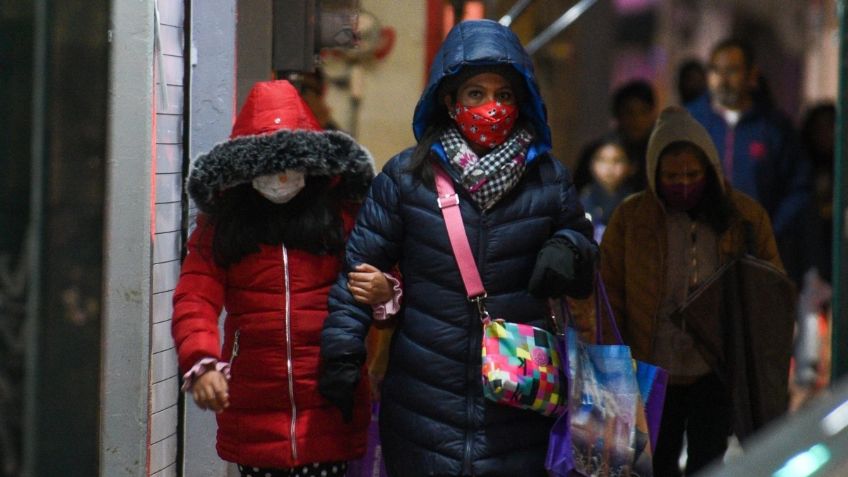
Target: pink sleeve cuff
(386, 310)
(201, 367)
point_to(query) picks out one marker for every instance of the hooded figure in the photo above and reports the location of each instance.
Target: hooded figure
(660, 248)
(524, 220)
(277, 201)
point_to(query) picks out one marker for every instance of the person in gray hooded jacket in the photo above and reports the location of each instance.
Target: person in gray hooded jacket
(480, 118)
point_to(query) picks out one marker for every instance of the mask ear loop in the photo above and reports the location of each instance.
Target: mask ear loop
(452, 110)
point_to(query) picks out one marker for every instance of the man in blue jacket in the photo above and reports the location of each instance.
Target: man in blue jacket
(758, 146)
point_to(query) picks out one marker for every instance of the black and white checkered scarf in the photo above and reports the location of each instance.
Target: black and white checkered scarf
(488, 178)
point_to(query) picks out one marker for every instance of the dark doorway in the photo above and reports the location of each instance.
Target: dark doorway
(54, 91)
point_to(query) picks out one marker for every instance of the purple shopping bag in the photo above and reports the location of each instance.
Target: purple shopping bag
(371, 464)
(652, 383)
(560, 459)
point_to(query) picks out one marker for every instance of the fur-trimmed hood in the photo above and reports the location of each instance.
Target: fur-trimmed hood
(275, 131)
(240, 160)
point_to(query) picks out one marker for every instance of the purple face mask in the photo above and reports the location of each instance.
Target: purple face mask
(682, 197)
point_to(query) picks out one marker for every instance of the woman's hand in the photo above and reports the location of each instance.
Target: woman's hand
(337, 382)
(559, 270)
(369, 285)
(210, 391)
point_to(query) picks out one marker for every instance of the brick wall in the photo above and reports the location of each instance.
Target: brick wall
(164, 382)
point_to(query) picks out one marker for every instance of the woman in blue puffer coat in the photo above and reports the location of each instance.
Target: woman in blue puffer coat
(480, 118)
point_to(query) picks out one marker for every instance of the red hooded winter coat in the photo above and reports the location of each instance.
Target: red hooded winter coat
(276, 299)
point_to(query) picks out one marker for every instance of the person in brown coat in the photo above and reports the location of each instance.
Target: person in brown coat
(659, 246)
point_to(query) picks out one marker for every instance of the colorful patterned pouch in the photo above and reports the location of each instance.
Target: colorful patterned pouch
(522, 367)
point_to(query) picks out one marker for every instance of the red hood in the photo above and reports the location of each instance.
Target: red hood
(275, 131)
(271, 106)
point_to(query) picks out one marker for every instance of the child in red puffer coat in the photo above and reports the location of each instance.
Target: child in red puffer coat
(277, 202)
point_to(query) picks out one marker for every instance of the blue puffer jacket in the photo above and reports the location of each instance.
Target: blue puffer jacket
(434, 419)
(762, 158)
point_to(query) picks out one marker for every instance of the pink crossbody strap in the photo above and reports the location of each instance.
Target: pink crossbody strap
(448, 202)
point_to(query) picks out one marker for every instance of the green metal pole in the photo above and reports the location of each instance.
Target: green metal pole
(839, 337)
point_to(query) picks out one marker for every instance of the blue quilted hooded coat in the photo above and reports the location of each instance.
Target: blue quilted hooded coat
(434, 419)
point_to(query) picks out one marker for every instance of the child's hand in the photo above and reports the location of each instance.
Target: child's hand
(369, 285)
(210, 391)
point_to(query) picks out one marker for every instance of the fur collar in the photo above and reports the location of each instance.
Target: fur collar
(240, 160)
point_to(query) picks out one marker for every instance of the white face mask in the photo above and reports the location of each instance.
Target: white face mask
(280, 188)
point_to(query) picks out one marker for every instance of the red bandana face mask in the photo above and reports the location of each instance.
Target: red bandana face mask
(487, 125)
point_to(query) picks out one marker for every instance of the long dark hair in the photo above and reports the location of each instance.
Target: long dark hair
(715, 208)
(243, 220)
(419, 164)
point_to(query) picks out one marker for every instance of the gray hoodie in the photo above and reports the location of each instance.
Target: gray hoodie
(676, 124)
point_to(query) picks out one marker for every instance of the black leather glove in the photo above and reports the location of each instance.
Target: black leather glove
(560, 271)
(337, 384)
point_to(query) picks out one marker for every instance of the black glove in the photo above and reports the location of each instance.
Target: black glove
(337, 384)
(560, 270)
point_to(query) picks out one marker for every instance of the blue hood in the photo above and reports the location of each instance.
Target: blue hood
(484, 42)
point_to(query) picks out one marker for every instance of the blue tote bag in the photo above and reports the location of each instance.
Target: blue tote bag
(614, 406)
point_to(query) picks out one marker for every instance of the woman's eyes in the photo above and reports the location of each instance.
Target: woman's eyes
(478, 95)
